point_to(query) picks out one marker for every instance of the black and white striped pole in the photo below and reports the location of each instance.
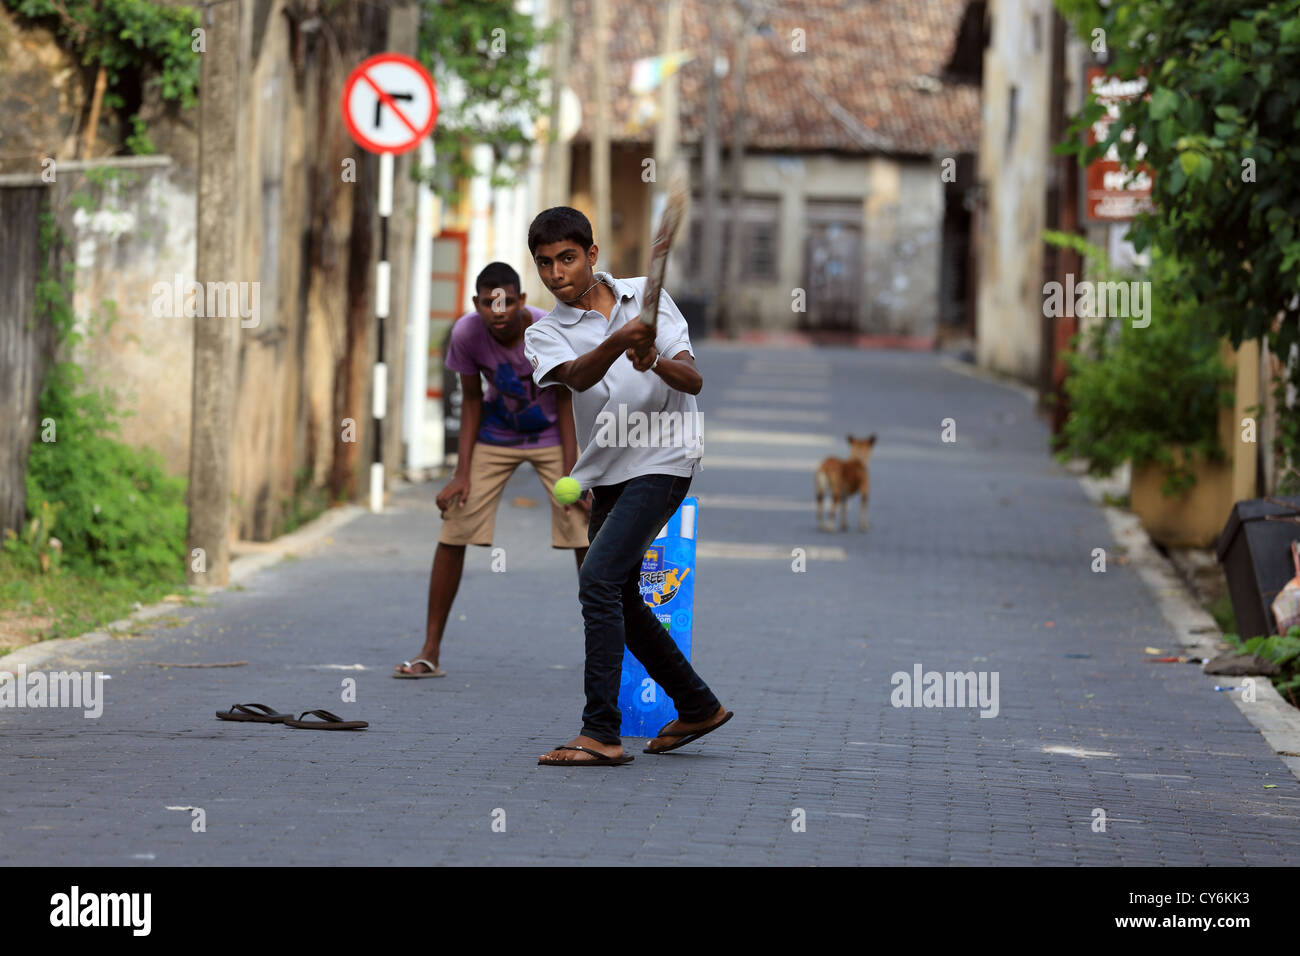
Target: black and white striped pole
(389, 105)
(383, 276)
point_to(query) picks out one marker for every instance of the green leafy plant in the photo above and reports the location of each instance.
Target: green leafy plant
(1218, 132)
(1137, 394)
(119, 511)
(481, 48)
(139, 142)
(1280, 649)
(134, 42)
(36, 548)
(113, 507)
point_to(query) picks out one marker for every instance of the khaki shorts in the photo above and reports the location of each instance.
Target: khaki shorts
(472, 521)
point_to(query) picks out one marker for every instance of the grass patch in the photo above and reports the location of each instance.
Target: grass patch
(37, 606)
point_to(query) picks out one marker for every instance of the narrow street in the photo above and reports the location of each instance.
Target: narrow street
(978, 558)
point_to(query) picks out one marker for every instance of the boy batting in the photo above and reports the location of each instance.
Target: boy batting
(613, 365)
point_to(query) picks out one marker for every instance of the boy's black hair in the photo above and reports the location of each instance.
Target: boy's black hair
(558, 224)
(497, 275)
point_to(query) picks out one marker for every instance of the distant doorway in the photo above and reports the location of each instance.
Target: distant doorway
(832, 271)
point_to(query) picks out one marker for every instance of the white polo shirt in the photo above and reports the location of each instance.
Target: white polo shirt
(629, 423)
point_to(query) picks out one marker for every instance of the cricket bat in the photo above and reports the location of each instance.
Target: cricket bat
(678, 191)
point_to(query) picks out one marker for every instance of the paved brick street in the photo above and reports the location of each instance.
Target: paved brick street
(978, 558)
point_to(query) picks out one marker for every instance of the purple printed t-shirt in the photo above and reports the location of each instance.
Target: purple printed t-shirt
(515, 411)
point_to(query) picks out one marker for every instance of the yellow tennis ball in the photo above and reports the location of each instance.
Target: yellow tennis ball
(567, 491)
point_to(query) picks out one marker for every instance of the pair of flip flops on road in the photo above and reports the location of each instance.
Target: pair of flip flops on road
(686, 736)
(418, 675)
(261, 714)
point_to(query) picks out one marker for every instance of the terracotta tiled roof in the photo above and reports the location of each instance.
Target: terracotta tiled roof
(871, 79)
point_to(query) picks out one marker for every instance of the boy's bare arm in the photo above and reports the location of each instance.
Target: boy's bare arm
(471, 415)
(586, 370)
(569, 442)
(568, 437)
(678, 372)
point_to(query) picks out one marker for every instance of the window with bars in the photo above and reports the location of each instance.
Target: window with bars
(759, 252)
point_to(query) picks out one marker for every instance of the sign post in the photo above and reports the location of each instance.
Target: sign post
(389, 105)
(1110, 194)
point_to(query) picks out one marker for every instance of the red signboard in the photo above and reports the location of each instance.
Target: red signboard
(1110, 193)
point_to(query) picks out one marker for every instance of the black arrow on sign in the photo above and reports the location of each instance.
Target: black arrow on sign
(379, 104)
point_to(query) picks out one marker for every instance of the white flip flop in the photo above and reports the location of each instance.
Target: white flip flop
(432, 672)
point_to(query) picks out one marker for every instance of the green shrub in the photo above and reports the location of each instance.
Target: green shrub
(1137, 393)
(1283, 650)
(36, 548)
(114, 508)
(118, 509)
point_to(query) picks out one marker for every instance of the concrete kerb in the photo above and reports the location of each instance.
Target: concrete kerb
(1276, 720)
(242, 569)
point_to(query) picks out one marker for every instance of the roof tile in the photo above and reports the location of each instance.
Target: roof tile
(854, 89)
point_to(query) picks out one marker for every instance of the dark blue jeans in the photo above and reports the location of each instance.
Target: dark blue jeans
(624, 521)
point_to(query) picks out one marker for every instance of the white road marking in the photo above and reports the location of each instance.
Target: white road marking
(754, 503)
(764, 552)
(1077, 752)
(764, 437)
(753, 463)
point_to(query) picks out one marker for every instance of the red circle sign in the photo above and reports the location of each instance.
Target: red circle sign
(389, 103)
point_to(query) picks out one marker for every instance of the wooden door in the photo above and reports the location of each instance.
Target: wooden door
(832, 273)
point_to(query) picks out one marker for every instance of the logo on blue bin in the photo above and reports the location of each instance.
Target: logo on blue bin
(660, 578)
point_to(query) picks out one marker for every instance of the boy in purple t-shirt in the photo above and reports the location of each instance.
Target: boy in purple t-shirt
(514, 422)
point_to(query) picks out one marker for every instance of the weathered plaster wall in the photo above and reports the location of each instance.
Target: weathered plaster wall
(131, 225)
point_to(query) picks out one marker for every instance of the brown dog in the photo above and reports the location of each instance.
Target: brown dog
(840, 478)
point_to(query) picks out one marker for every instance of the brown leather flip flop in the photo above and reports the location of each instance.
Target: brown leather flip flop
(686, 735)
(600, 761)
(327, 721)
(253, 713)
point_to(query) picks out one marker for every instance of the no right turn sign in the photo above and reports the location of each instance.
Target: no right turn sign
(389, 103)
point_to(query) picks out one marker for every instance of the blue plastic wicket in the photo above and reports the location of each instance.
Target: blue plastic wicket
(668, 587)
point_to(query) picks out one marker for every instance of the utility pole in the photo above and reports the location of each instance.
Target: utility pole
(732, 282)
(600, 135)
(557, 155)
(709, 256)
(666, 134)
(216, 338)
